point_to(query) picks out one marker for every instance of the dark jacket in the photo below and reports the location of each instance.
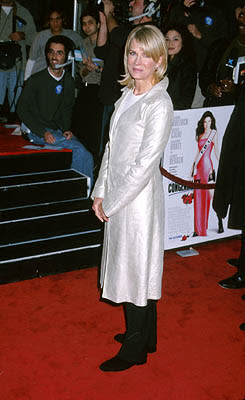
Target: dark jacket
(182, 82)
(210, 22)
(208, 75)
(112, 54)
(230, 185)
(47, 103)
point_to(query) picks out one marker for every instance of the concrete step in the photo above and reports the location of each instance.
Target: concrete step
(43, 187)
(32, 223)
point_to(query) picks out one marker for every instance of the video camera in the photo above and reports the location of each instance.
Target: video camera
(238, 67)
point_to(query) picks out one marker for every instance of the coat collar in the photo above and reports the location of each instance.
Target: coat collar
(162, 85)
(158, 88)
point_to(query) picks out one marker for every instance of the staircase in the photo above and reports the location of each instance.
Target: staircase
(47, 225)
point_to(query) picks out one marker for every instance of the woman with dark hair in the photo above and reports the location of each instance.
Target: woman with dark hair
(181, 71)
(203, 171)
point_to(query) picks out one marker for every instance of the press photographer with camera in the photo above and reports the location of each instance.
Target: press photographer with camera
(219, 87)
(17, 31)
(205, 22)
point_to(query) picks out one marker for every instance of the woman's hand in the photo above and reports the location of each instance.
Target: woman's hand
(97, 207)
(215, 90)
(227, 86)
(194, 31)
(189, 3)
(193, 171)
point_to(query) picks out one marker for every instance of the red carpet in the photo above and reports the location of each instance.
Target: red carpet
(15, 144)
(55, 332)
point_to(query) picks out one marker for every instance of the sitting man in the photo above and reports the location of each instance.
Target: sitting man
(45, 106)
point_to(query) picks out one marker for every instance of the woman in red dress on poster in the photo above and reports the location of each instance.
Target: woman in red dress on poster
(203, 171)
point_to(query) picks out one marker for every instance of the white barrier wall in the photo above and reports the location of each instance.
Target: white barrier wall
(178, 160)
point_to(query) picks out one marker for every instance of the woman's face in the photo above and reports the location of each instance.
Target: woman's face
(207, 123)
(174, 42)
(140, 66)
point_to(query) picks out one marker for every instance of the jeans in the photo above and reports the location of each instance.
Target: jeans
(82, 159)
(12, 80)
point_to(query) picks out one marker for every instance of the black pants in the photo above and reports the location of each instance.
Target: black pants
(141, 333)
(241, 267)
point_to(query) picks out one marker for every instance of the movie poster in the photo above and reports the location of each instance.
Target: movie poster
(192, 154)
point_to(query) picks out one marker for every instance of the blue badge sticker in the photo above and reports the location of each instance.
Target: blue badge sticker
(58, 89)
(231, 62)
(209, 21)
(19, 24)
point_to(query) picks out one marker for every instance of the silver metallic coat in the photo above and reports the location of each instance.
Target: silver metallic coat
(130, 183)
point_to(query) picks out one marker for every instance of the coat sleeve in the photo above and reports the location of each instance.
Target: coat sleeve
(30, 29)
(158, 121)
(35, 47)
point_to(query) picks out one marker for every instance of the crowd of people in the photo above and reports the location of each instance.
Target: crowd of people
(204, 39)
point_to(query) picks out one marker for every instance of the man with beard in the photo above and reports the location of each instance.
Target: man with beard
(46, 103)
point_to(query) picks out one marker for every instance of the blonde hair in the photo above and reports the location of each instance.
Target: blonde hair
(151, 39)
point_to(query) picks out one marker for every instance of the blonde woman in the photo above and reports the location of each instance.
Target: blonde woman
(128, 195)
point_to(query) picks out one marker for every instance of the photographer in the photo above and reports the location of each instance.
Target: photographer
(219, 88)
(17, 30)
(205, 23)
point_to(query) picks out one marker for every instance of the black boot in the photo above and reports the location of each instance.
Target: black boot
(242, 326)
(236, 281)
(234, 262)
(133, 350)
(117, 364)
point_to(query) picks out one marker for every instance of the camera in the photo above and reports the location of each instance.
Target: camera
(239, 71)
